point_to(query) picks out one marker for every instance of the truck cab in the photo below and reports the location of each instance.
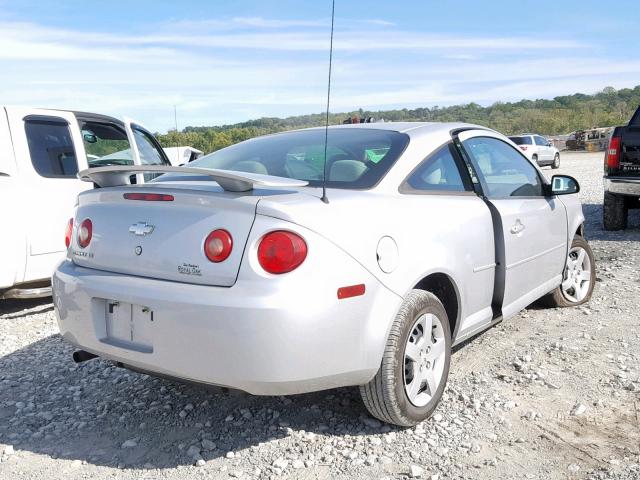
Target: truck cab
(41, 153)
(622, 174)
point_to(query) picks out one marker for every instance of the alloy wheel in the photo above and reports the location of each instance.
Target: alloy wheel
(577, 275)
(424, 359)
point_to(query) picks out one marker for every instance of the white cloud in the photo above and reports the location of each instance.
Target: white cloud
(233, 69)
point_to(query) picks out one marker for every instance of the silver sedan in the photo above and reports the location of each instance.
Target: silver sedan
(237, 271)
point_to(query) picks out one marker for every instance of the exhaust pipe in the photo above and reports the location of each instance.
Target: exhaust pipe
(80, 356)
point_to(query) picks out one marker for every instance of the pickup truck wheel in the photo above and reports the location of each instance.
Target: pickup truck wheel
(614, 212)
(578, 277)
(415, 363)
(556, 161)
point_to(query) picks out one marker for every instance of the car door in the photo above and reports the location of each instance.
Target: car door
(530, 228)
(12, 242)
(145, 149)
(49, 152)
(543, 149)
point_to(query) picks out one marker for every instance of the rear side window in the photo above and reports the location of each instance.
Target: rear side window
(51, 148)
(541, 141)
(521, 140)
(438, 173)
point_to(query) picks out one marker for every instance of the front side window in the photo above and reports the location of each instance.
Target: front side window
(149, 154)
(438, 173)
(541, 141)
(106, 144)
(503, 171)
(51, 148)
(356, 157)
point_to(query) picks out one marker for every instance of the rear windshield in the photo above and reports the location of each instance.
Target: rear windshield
(356, 158)
(521, 140)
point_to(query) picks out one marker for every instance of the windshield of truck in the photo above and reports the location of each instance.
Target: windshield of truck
(521, 140)
(356, 157)
(106, 144)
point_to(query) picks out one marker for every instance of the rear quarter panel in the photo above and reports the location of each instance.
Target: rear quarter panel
(450, 234)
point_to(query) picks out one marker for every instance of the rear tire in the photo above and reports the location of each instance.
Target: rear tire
(574, 290)
(615, 212)
(556, 161)
(390, 396)
(534, 158)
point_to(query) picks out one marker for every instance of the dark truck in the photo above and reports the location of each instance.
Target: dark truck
(622, 174)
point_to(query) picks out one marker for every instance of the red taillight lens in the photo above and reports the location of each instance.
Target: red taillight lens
(68, 232)
(523, 147)
(85, 232)
(281, 251)
(613, 153)
(218, 246)
(149, 197)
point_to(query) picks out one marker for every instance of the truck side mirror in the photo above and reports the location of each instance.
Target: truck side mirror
(564, 185)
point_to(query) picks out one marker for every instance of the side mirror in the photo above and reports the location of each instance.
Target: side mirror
(549, 144)
(89, 136)
(564, 185)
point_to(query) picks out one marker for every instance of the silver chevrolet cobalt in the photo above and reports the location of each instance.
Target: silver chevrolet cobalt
(237, 271)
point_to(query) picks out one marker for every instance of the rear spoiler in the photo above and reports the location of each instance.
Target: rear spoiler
(116, 176)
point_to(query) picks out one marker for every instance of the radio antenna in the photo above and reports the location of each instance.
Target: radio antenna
(326, 124)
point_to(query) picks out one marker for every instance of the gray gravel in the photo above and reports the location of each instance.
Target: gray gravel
(549, 394)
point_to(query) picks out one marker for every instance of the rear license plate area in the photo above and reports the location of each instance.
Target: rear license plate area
(128, 326)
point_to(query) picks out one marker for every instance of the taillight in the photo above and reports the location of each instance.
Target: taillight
(68, 232)
(85, 232)
(613, 153)
(281, 251)
(523, 147)
(218, 246)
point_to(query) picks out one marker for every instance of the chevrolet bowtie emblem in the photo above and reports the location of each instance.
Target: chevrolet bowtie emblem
(141, 229)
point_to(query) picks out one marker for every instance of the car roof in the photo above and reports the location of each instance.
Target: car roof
(410, 128)
(97, 117)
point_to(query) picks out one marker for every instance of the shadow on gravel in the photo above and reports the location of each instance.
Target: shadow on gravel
(595, 230)
(20, 308)
(50, 406)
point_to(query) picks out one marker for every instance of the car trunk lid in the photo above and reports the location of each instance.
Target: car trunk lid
(162, 236)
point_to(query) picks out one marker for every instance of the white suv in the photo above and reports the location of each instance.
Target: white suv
(538, 149)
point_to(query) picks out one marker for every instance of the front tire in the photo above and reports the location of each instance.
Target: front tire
(415, 364)
(556, 161)
(614, 212)
(578, 278)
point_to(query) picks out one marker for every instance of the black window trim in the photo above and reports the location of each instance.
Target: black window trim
(482, 188)
(52, 120)
(406, 189)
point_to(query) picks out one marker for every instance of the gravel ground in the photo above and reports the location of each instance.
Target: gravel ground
(551, 393)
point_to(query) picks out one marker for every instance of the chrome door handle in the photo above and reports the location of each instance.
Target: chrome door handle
(517, 227)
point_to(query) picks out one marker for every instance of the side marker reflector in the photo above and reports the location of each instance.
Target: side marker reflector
(351, 291)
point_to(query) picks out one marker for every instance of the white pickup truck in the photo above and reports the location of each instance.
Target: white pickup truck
(41, 152)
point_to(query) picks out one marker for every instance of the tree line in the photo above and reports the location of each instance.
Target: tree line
(561, 115)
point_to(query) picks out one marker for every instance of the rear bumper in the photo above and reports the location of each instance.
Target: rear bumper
(622, 186)
(263, 341)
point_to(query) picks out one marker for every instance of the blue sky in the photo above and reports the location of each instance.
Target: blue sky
(227, 61)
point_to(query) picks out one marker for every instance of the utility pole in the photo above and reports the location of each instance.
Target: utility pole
(175, 116)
